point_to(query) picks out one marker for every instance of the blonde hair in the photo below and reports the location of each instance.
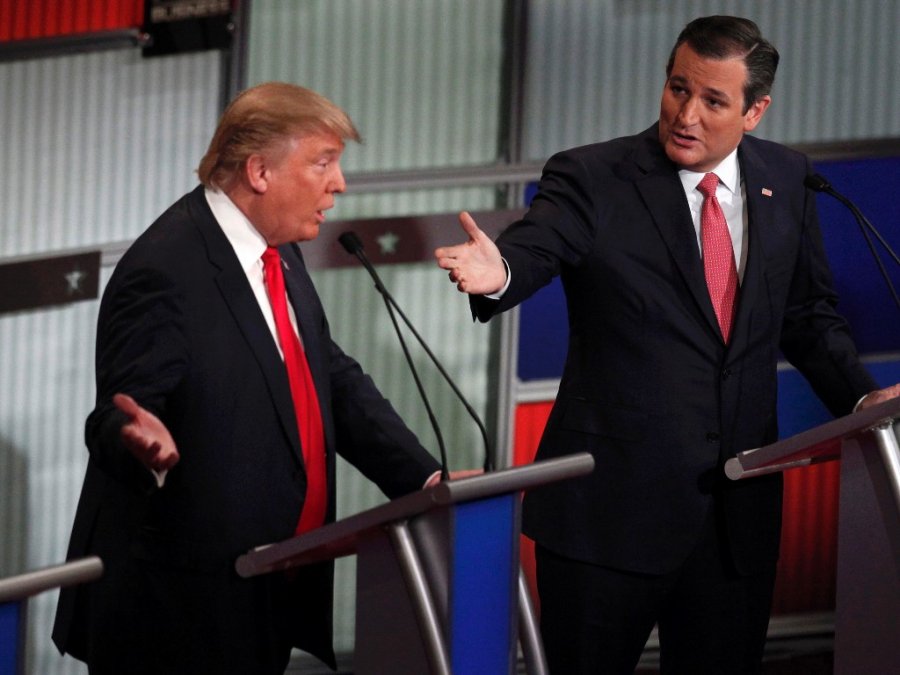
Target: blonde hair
(262, 117)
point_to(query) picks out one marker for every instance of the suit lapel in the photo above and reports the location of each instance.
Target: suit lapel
(759, 204)
(237, 294)
(656, 179)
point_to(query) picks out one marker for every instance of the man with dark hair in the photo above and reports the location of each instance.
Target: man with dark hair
(221, 403)
(689, 255)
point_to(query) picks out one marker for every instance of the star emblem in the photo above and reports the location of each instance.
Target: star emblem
(388, 243)
(73, 281)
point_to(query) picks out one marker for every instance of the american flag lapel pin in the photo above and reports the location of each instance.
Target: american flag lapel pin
(766, 192)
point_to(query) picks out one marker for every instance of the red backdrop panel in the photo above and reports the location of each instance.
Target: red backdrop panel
(30, 19)
(808, 563)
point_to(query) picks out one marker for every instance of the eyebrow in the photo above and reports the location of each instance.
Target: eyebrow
(678, 79)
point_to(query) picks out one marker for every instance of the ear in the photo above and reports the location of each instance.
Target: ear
(753, 116)
(256, 172)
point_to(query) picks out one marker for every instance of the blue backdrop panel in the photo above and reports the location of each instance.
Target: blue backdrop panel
(798, 407)
(872, 184)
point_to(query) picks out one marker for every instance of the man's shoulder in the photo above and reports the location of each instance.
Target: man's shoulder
(759, 156)
(614, 148)
(767, 149)
(172, 236)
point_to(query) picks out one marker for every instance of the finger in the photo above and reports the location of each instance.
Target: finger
(126, 404)
(164, 463)
(447, 262)
(469, 225)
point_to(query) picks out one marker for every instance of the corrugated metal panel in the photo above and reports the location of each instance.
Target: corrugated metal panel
(28, 19)
(96, 145)
(412, 202)
(421, 78)
(46, 375)
(596, 68)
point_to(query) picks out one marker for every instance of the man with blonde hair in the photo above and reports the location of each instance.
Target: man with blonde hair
(222, 401)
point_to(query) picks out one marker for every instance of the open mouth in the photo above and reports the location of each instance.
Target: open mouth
(683, 139)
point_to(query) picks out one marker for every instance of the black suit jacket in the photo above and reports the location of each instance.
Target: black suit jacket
(649, 387)
(181, 331)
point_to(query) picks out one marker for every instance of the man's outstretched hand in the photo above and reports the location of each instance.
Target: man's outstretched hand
(145, 436)
(475, 266)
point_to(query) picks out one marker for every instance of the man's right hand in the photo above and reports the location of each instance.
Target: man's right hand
(475, 266)
(145, 436)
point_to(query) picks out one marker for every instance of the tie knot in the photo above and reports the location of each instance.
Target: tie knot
(270, 256)
(708, 185)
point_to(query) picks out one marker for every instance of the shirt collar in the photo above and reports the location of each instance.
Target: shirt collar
(728, 171)
(247, 242)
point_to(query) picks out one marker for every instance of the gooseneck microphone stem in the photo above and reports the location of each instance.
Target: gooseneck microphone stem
(818, 183)
(488, 465)
(353, 245)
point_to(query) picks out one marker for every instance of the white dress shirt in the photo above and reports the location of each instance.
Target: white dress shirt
(731, 196)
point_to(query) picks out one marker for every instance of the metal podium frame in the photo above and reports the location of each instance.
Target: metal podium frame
(867, 630)
(14, 594)
(408, 570)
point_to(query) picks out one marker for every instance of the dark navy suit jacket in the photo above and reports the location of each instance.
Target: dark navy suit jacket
(649, 387)
(181, 331)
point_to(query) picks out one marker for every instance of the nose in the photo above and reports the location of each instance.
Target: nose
(338, 184)
(687, 113)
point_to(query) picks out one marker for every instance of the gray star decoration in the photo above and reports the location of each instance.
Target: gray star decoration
(74, 279)
(388, 243)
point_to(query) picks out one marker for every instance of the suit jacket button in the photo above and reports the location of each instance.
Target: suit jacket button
(712, 437)
(726, 373)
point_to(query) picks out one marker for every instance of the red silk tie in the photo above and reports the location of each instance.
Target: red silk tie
(718, 255)
(303, 392)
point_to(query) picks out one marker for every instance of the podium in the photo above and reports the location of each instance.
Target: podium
(867, 627)
(439, 588)
(14, 594)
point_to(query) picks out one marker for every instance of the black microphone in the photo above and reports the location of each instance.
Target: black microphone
(354, 246)
(818, 183)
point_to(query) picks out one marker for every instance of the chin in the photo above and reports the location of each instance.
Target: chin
(681, 157)
(308, 233)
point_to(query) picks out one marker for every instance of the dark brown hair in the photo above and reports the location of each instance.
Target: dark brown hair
(723, 37)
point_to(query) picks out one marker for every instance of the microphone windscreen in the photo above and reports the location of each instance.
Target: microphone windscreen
(351, 243)
(816, 182)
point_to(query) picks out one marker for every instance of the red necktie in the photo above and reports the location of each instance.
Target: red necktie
(303, 392)
(718, 255)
